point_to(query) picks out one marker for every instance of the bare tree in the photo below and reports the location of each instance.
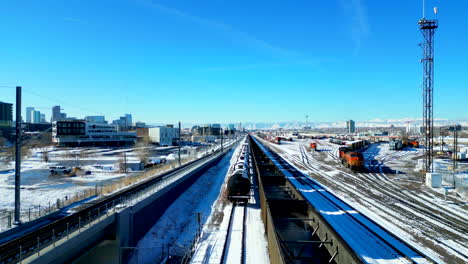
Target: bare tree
(143, 148)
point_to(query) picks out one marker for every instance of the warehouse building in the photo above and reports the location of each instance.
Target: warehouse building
(164, 135)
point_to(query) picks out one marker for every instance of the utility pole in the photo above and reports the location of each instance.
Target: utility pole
(441, 140)
(179, 144)
(125, 162)
(18, 157)
(222, 132)
(455, 148)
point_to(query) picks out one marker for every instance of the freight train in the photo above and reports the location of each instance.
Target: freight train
(272, 139)
(238, 185)
(336, 141)
(351, 159)
(401, 144)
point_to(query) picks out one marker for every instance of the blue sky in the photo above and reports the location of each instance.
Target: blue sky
(231, 61)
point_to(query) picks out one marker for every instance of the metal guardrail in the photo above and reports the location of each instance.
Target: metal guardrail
(33, 242)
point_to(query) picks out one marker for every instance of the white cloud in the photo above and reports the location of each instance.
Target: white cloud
(359, 24)
(231, 32)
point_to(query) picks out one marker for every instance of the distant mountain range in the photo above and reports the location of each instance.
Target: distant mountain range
(403, 122)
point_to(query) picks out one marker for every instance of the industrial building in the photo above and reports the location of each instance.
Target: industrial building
(207, 130)
(82, 133)
(163, 135)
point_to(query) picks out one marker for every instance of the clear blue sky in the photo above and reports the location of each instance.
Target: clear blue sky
(231, 61)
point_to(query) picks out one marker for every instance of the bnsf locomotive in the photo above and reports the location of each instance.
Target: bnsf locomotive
(351, 159)
(238, 185)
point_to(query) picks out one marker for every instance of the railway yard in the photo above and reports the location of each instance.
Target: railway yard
(276, 201)
(390, 192)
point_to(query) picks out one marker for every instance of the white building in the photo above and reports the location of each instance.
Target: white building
(82, 133)
(414, 129)
(164, 135)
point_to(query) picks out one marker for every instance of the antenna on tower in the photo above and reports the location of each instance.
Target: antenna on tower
(424, 9)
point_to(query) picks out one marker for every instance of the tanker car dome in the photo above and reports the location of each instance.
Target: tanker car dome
(239, 172)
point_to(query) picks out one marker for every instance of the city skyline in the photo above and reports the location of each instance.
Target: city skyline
(135, 59)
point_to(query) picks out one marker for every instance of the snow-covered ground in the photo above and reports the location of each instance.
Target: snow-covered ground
(40, 190)
(177, 228)
(390, 193)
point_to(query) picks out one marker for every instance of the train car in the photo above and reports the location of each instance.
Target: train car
(239, 186)
(357, 145)
(414, 143)
(342, 151)
(336, 141)
(313, 146)
(276, 140)
(395, 145)
(353, 160)
(239, 183)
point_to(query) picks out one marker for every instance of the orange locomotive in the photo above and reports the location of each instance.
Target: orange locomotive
(313, 146)
(351, 159)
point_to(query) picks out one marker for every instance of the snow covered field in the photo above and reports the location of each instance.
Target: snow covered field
(390, 193)
(41, 190)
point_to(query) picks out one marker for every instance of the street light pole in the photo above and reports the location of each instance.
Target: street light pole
(179, 144)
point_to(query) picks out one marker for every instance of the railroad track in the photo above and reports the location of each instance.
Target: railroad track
(448, 220)
(32, 242)
(366, 229)
(235, 239)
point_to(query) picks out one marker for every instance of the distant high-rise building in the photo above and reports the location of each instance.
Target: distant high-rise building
(29, 114)
(62, 117)
(350, 126)
(128, 118)
(96, 119)
(43, 119)
(36, 117)
(124, 121)
(6, 114)
(56, 115)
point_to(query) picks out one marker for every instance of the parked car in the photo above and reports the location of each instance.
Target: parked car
(60, 170)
